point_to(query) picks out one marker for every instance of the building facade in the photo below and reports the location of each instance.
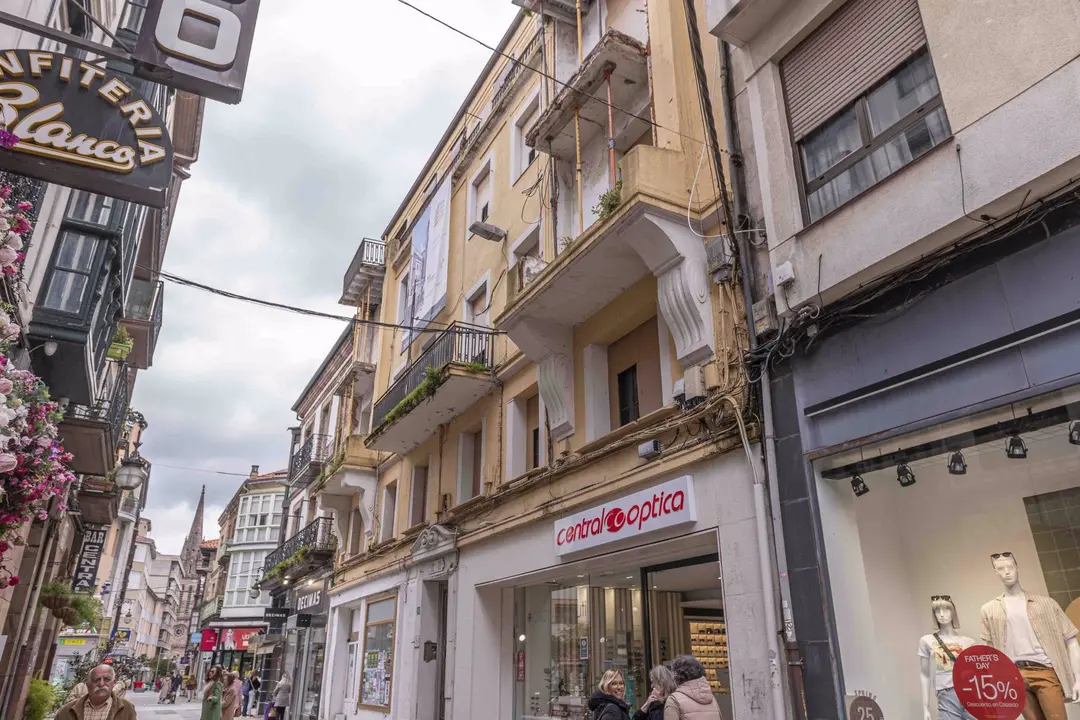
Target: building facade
(916, 165)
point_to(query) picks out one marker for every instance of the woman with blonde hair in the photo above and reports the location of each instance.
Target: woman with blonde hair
(663, 684)
(607, 701)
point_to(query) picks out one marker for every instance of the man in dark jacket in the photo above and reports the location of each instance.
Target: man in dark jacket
(99, 703)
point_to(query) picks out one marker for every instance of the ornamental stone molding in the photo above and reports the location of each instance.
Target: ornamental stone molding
(366, 484)
(433, 542)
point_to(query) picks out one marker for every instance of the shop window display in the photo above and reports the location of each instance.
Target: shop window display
(378, 654)
(964, 535)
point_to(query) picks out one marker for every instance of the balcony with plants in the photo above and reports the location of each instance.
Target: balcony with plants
(142, 321)
(451, 374)
(310, 549)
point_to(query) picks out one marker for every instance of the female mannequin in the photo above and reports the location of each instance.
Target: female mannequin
(937, 652)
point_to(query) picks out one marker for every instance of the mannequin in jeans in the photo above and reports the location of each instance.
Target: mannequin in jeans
(937, 653)
(1036, 635)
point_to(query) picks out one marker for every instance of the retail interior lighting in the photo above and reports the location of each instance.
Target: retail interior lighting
(1015, 448)
(859, 486)
(1074, 433)
(957, 464)
(904, 476)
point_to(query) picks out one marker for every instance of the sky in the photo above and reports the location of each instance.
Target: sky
(344, 102)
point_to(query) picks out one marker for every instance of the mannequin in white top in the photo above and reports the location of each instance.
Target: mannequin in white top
(1036, 635)
(937, 655)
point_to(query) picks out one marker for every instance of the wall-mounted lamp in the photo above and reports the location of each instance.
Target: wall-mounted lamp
(859, 486)
(904, 476)
(1074, 433)
(1015, 448)
(957, 464)
(488, 232)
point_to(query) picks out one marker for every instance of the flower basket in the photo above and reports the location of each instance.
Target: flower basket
(55, 602)
(66, 614)
(119, 350)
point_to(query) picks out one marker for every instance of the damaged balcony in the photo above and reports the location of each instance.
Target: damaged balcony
(448, 377)
(364, 278)
(565, 10)
(142, 318)
(91, 432)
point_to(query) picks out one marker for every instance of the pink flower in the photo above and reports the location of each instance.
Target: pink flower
(7, 462)
(5, 192)
(7, 255)
(5, 385)
(13, 580)
(24, 205)
(12, 330)
(7, 141)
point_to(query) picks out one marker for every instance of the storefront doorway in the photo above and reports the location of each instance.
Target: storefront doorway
(569, 632)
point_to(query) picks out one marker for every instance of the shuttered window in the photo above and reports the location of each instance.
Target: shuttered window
(859, 45)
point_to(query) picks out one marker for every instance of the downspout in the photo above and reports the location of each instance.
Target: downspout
(577, 131)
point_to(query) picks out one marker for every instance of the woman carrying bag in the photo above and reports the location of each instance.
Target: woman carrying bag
(211, 695)
(282, 696)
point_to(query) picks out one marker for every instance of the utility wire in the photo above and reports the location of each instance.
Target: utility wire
(543, 74)
(210, 472)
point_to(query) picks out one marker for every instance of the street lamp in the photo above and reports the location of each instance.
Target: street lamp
(256, 587)
(131, 473)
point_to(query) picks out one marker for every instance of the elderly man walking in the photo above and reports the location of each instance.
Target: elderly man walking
(99, 703)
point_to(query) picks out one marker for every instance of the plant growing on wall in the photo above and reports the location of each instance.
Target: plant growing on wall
(282, 567)
(433, 378)
(608, 201)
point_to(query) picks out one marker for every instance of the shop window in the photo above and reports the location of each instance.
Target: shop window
(72, 272)
(418, 496)
(91, 208)
(389, 512)
(470, 464)
(376, 674)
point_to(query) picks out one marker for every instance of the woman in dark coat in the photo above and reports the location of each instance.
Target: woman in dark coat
(663, 684)
(607, 702)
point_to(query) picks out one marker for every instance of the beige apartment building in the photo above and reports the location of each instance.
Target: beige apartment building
(561, 486)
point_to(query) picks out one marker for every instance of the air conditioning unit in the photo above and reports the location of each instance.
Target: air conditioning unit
(649, 449)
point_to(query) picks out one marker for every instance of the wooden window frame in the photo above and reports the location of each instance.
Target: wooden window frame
(870, 143)
(363, 651)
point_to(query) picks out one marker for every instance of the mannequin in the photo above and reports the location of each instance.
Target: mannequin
(1036, 635)
(937, 653)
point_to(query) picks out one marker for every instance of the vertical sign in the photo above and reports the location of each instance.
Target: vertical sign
(89, 558)
(201, 46)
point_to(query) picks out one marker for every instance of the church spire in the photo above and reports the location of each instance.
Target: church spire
(189, 556)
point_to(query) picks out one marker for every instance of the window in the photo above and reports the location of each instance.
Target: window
(522, 155)
(532, 419)
(477, 305)
(245, 568)
(896, 122)
(258, 518)
(72, 271)
(403, 311)
(418, 496)
(389, 512)
(470, 464)
(356, 532)
(628, 395)
(480, 195)
(91, 208)
(378, 654)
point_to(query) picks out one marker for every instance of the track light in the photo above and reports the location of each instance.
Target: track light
(904, 476)
(1074, 433)
(1015, 448)
(957, 464)
(859, 486)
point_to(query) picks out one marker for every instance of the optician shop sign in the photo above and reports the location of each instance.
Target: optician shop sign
(657, 508)
(81, 125)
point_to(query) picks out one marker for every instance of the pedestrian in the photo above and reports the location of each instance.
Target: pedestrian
(211, 695)
(251, 692)
(177, 683)
(164, 686)
(230, 699)
(607, 701)
(663, 684)
(693, 698)
(189, 686)
(100, 701)
(282, 696)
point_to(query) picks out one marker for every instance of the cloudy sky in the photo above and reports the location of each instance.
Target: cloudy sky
(344, 102)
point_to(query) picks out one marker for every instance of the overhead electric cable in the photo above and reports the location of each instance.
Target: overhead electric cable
(210, 472)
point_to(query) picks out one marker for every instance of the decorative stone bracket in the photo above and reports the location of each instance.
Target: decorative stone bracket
(366, 484)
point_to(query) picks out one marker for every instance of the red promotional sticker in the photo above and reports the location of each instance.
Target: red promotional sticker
(988, 684)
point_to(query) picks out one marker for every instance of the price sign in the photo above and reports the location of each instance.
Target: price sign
(988, 684)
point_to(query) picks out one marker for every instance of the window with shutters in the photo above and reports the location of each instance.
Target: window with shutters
(858, 116)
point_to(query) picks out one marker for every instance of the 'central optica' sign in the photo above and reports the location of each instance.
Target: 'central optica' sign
(646, 511)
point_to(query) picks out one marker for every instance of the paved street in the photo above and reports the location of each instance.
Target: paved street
(146, 706)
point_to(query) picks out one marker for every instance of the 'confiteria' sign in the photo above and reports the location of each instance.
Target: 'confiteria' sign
(77, 124)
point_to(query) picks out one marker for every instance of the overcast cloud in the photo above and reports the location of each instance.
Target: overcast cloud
(344, 102)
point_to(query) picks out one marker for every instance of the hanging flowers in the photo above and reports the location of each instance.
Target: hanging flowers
(14, 228)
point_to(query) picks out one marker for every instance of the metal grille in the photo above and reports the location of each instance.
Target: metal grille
(314, 450)
(317, 536)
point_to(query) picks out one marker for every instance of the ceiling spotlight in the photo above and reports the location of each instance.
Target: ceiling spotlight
(859, 486)
(1074, 433)
(957, 464)
(1015, 448)
(904, 476)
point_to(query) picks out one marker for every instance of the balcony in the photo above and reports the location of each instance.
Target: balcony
(211, 609)
(451, 374)
(645, 233)
(365, 273)
(307, 462)
(142, 318)
(565, 10)
(99, 500)
(25, 189)
(306, 551)
(91, 432)
(739, 21)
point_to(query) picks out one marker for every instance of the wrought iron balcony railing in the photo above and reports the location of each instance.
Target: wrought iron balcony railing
(110, 409)
(26, 189)
(317, 537)
(459, 343)
(316, 449)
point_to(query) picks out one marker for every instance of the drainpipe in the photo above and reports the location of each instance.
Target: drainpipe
(577, 132)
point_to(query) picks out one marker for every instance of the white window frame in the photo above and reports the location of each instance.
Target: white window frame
(518, 153)
(387, 530)
(487, 168)
(240, 579)
(525, 242)
(480, 287)
(244, 514)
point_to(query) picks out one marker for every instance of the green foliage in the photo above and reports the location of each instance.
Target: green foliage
(609, 201)
(40, 699)
(56, 588)
(474, 367)
(88, 608)
(282, 567)
(121, 336)
(433, 378)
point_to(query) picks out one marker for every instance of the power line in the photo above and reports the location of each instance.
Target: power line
(540, 72)
(209, 472)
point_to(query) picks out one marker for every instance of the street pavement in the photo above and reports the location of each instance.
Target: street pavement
(147, 708)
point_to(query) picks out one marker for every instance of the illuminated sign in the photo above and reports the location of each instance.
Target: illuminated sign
(69, 122)
(201, 46)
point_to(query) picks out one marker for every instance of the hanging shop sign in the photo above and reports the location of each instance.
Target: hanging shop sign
(83, 126)
(120, 635)
(72, 641)
(201, 46)
(657, 508)
(89, 558)
(864, 706)
(195, 637)
(313, 600)
(238, 638)
(209, 640)
(272, 615)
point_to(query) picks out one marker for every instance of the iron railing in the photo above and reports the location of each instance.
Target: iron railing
(111, 409)
(316, 449)
(506, 89)
(146, 302)
(458, 343)
(25, 189)
(318, 536)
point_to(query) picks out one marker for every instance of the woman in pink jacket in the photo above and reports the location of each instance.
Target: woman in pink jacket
(230, 698)
(693, 698)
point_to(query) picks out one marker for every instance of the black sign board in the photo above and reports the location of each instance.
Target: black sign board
(81, 125)
(201, 46)
(89, 557)
(313, 600)
(275, 614)
(303, 621)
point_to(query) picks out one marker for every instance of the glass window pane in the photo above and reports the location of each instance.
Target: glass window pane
(66, 292)
(830, 144)
(91, 208)
(378, 664)
(908, 88)
(918, 139)
(77, 251)
(381, 610)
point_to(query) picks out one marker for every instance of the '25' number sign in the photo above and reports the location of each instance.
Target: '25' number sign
(201, 46)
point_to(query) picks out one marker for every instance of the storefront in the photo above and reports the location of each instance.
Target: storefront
(941, 492)
(305, 647)
(228, 647)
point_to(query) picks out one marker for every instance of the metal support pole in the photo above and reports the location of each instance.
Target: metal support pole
(611, 132)
(577, 131)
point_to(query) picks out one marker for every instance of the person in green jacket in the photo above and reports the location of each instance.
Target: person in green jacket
(211, 696)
